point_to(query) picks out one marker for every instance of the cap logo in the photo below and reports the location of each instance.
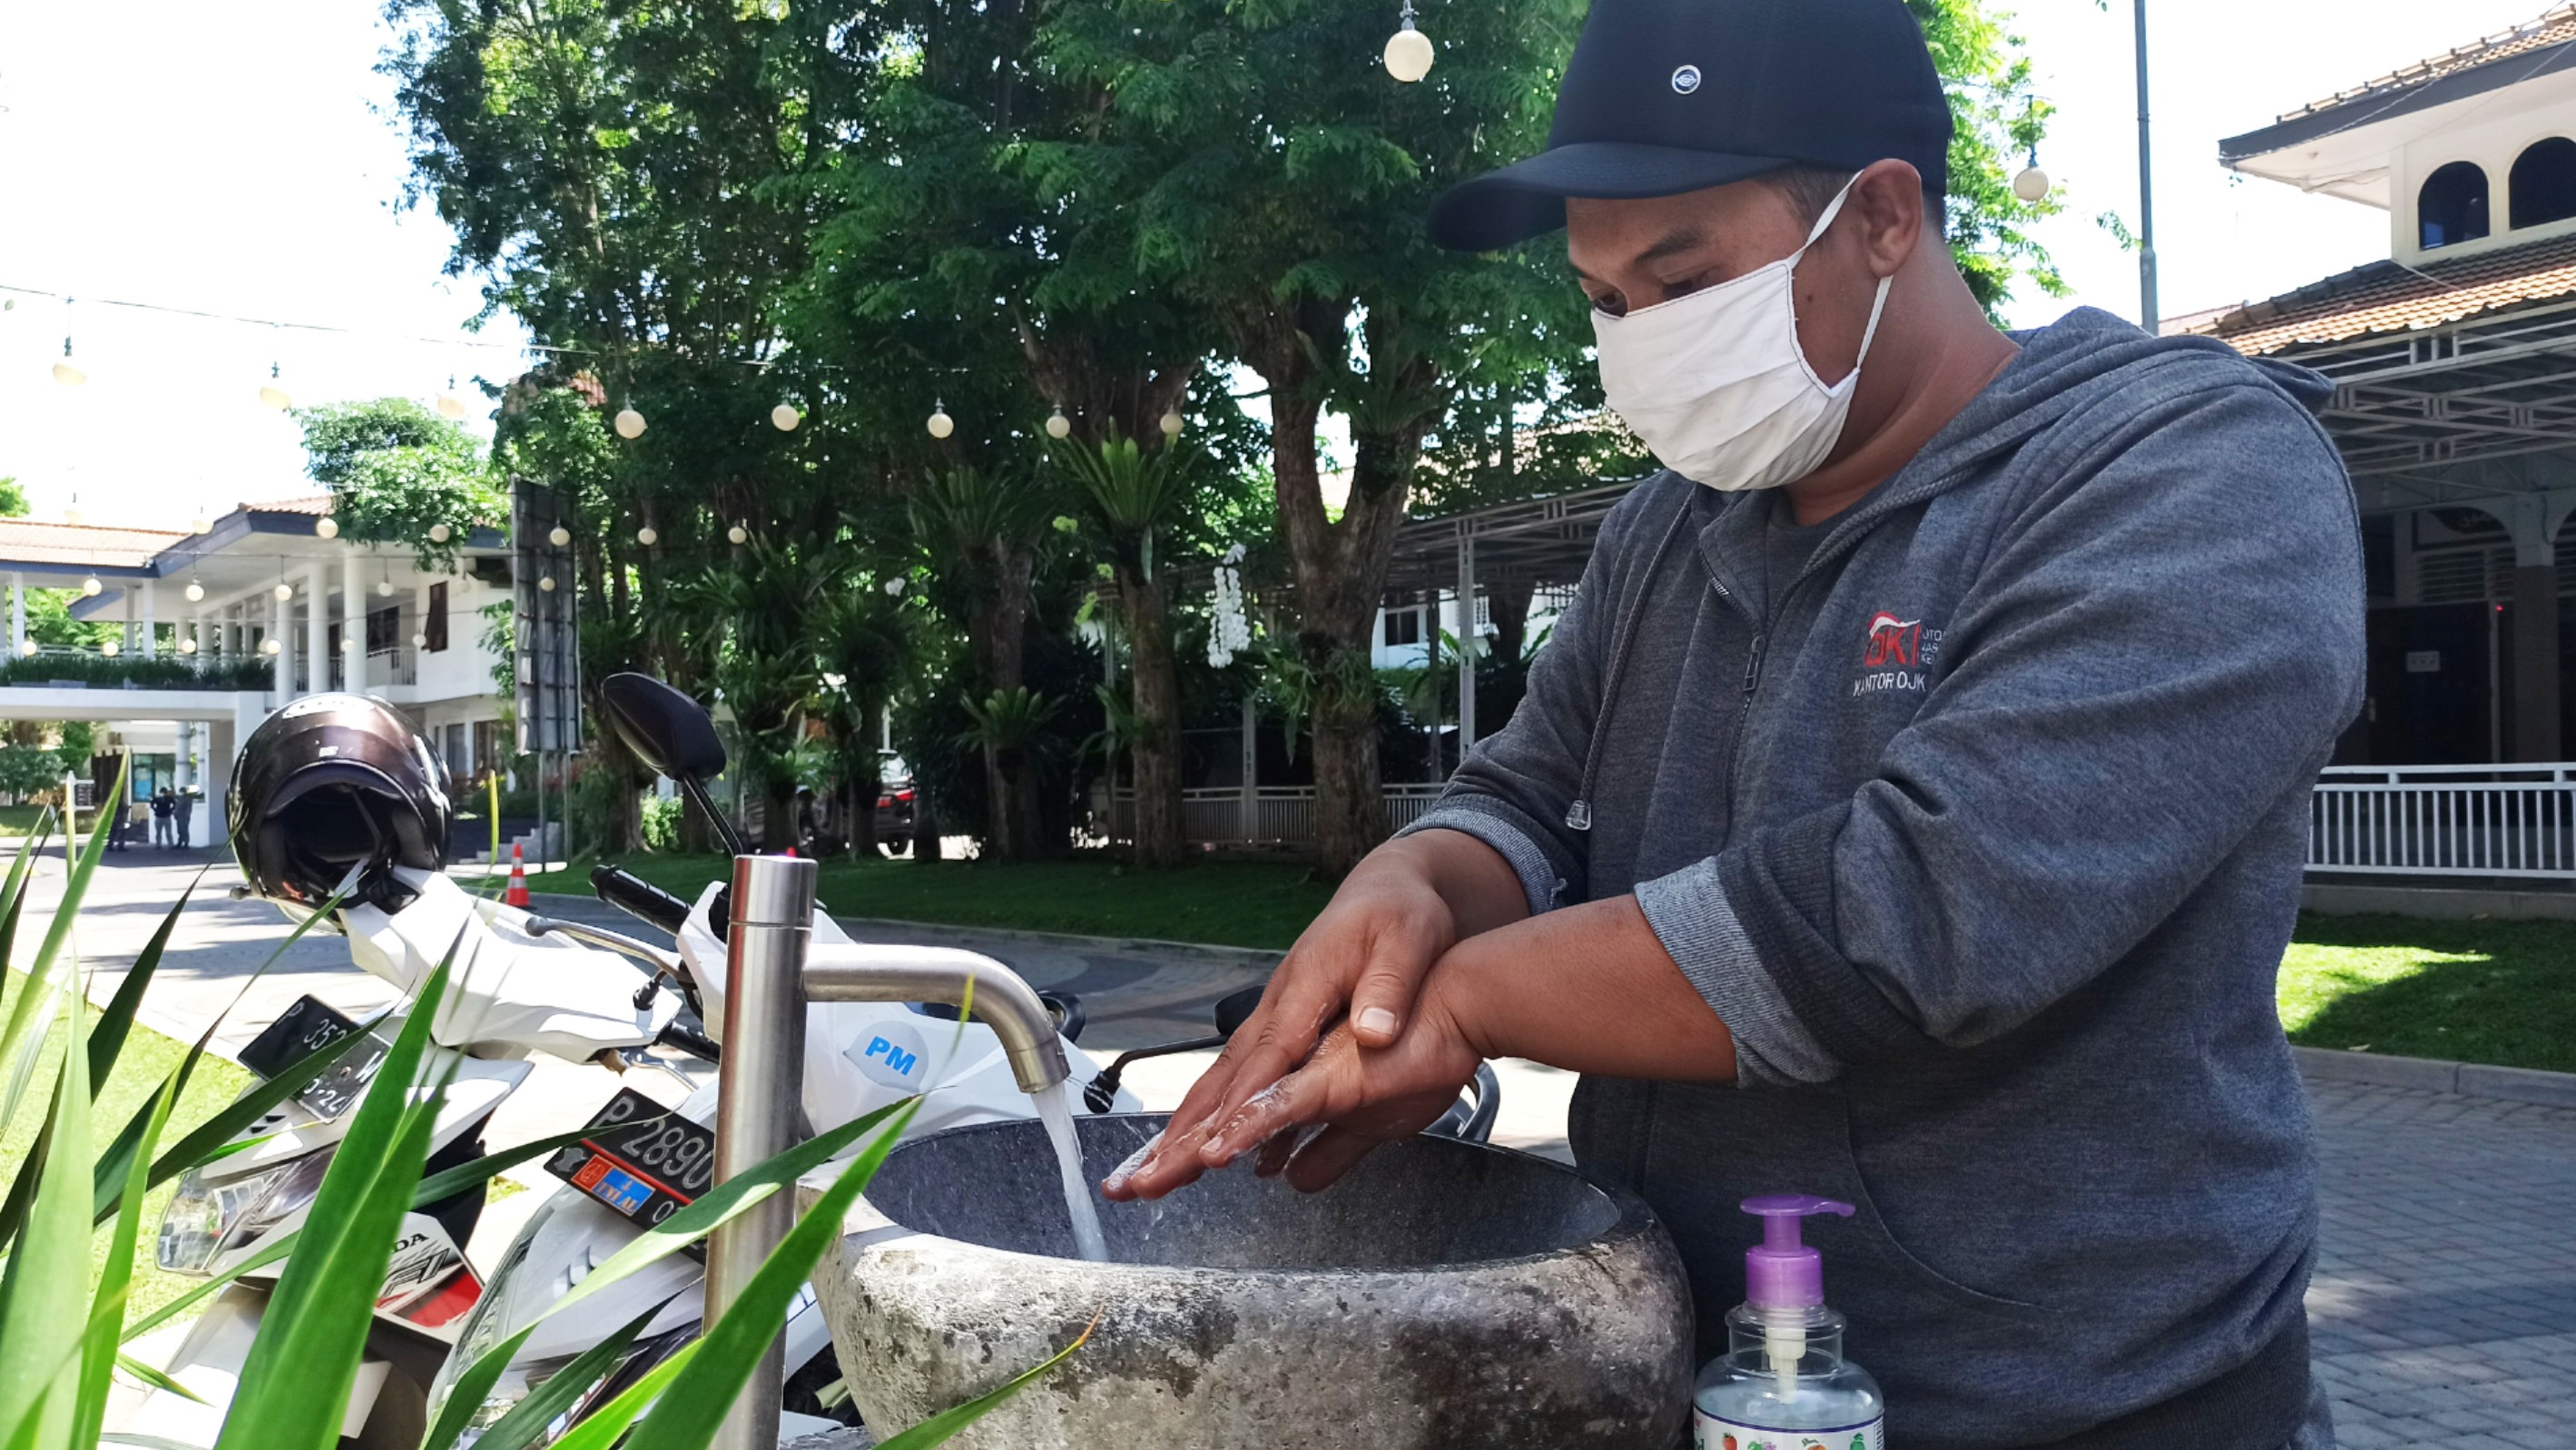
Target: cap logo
(1685, 79)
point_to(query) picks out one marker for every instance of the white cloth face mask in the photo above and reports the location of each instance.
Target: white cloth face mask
(1716, 383)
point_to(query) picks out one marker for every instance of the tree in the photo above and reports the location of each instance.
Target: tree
(985, 528)
(13, 499)
(395, 469)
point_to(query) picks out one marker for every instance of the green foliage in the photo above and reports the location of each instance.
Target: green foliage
(49, 620)
(27, 769)
(395, 468)
(662, 823)
(1998, 123)
(1009, 721)
(13, 499)
(161, 672)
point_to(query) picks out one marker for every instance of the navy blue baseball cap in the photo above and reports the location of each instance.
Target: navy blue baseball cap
(1668, 96)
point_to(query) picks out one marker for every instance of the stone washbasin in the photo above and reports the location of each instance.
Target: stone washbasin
(1445, 1295)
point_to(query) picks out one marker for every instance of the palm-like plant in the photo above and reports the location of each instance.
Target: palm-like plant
(1009, 724)
(1129, 499)
(984, 527)
(870, 641)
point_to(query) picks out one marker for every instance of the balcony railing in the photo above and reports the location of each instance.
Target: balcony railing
(2445, 820)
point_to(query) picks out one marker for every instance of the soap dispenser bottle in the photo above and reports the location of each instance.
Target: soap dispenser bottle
(1783, 1383)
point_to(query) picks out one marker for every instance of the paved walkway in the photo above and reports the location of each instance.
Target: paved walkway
(2444, 1306)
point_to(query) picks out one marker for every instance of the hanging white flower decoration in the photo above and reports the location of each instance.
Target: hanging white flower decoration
(1229, 632)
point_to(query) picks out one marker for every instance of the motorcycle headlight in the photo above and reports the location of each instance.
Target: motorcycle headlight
(207, 1219)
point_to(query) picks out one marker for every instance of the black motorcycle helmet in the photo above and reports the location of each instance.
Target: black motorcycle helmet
(332, 782)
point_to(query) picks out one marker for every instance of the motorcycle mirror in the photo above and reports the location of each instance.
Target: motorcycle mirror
(666, 729)
(1234, 1009)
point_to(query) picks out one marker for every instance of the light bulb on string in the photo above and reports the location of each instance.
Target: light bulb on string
(109, 647)
(419, 640)
(90, 587)
(894, 586)
(1172, 425)
(27, 648)
(201, 524)
(195, 591)
(327, 527)
(72, 511)
(269, 645)
(384, 589)
(1058, 425)
(1408, 51)
(284, 591)
(2032, 184)
(941, 425)
(188, 645)
(784, 417)
(440, 533)
(546, 583)
(559, 536)
(450, 406)
(648, 536)
(348, 644)
(629, 423)
(273, 393)
(738, 535)
(67, 372)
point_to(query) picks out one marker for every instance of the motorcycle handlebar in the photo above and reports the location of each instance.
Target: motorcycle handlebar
(639, 898)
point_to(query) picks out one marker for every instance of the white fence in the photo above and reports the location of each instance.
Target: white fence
(2445, 820)
(1270, 815)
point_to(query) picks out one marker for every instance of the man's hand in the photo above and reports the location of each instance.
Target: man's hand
(1359, 964)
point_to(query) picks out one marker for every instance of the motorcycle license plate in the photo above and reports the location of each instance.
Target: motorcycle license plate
(641, 1159)
(308, 1027)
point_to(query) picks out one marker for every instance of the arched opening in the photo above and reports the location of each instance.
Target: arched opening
(2544, 182)
(2452, 207)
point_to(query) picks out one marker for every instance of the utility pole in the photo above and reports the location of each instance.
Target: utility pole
(2149, 315)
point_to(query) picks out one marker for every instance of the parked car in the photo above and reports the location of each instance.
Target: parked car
(896, 800)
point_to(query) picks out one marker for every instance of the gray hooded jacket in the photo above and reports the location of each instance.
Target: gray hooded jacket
(1984, 837)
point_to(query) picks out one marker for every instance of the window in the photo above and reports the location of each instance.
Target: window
(2452, 207)
(1403, 626)
(2544, 182)
(384, 630)
(433, 625)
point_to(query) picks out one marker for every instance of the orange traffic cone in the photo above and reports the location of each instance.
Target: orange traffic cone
(517, 895)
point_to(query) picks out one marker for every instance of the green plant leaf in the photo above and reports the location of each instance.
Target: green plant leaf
(728, 1353)
(601, 1427)
(44, 1290)
(294, 1388)
(527, 1419)
(946, 1423)
(155, 1379)
(17, 1047)
(99, 1354)
(13, 896)
(107, 1035)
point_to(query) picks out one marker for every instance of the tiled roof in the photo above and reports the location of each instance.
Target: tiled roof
(2555, 28)
(2387, 297)
(315, 504)
(26, 541)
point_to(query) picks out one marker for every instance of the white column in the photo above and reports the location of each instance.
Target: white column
(222, 737)
(285, 656)
(1250, 807)
(128, 591)
(1467, 640)
(353, 622)
(317, 630)
(17, 614)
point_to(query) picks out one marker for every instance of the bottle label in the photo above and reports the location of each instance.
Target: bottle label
(1712, 1433)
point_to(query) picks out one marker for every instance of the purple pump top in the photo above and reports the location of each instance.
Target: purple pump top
(1781, 1272)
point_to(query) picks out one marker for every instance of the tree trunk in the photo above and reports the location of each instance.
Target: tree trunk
(1010, 804)
(1156, 682)
(1338, 566)
(1001, 816)
(1510, 601)
(866, 782)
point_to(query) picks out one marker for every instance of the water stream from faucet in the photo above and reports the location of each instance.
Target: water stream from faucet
(1055, 1109)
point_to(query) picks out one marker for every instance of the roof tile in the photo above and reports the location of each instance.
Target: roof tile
(2554, 28)
(2388, 297)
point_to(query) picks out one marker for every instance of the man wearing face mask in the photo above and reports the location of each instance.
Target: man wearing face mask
(1910, 808)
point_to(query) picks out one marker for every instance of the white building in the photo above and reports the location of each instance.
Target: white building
(263, 608)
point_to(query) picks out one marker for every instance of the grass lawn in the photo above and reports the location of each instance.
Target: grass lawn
(1224, 903)
(147, 1061)
(2501, 992)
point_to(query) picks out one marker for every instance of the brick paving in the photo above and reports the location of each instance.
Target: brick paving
(2444, 1304)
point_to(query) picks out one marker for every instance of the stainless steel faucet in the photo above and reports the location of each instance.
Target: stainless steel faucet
(773, 970)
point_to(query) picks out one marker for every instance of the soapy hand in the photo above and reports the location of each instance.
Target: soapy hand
(1319, 1120)
(1360, 964)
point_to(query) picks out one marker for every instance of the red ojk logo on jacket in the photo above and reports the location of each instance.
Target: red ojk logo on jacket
(1893, 642)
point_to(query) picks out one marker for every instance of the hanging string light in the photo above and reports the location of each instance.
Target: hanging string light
(195, 590)
(90, 587)
(1172, 424)
(738, 535)
(450, 406)
(273, 393)
(546, 583)
(1408, 51)
(201, 524)
(188, 644)
(72, 511)
(269, 646)
(629, 423)
(284, 591)
(440, 533)
(327, 526)
(385, 585)
(67, 372)
(894, 586)
(1058, 426)
(109, 647)
(27, 648)
(648, 536)
(2032, 184)
(784, 417)
(941, 425)
(559, 536)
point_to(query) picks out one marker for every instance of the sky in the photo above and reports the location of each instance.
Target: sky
(249, 166)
